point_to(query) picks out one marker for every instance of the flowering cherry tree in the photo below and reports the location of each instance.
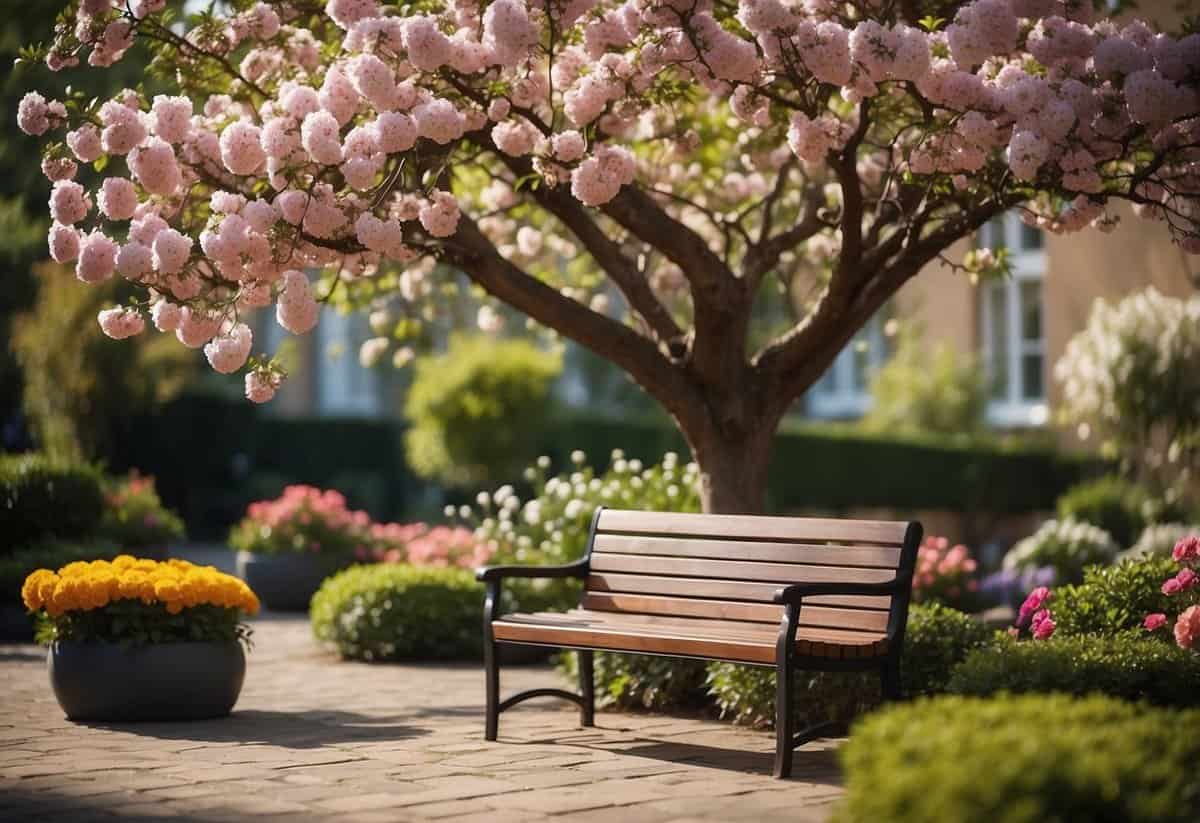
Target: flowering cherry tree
(693, 157)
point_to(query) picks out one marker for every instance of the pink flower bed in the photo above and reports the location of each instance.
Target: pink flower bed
(1187, 623)
(423, 545)
(943, 572)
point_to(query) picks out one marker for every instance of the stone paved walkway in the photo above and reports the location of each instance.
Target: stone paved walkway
(315, 738)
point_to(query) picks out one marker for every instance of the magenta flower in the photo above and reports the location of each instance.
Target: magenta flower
(1154, 622)
(1043, 624)
(1188, 548)
(1187, 628)
(1033, 603)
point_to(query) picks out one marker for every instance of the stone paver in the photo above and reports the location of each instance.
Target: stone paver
(313, 738)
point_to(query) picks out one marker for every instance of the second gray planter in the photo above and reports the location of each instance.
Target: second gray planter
(286, 582)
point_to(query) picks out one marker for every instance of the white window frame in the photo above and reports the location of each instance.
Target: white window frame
(1028, 266)
(344, 387)
(845, 400)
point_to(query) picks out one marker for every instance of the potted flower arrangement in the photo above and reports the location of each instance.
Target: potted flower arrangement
(135, 517)
(288, 546)
(138, 639)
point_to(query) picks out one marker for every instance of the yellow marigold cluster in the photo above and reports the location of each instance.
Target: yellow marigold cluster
(177, 584)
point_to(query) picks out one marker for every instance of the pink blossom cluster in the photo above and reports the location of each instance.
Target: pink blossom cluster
(943, 572)
(356, 139)
(1187, 623)
(303, 519)
(422, 545)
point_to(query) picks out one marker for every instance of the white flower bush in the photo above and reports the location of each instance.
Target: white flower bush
(1158, 540)
(1065, 545)
(1132, 379)
(552, 526)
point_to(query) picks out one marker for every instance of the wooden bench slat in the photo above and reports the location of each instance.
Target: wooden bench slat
(665, 641)
(883, 557)
(717, 589)
(781, 573)
(754, 527)
(869, 620)
(703, 627)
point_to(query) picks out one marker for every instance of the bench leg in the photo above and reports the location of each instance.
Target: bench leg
(889, 681)
(784, 715)
(587, 688)
(491, 668)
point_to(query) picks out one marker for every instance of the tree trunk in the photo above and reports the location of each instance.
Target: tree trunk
(733, 467)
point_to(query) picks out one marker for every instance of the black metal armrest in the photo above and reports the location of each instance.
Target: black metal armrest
(487, 574)
(792, 595)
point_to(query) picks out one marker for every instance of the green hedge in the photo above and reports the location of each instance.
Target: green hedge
(1028, 759)
(1113, 599)
(824, 467)
(399, 612)
(1130, 666)
(43, 499)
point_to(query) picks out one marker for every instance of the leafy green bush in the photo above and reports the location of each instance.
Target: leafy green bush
(936, 640)
(401, 612)
(1117, 598)
(52, 554)
(1027, 759)
(1130, 666)
(929, 390)
(1111, 503)
(42, 498)
(640, 681)
(398, 612)
(1065, 545)
(746, 694)
(477, 410)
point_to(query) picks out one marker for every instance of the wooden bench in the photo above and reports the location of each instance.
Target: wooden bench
(792, 593)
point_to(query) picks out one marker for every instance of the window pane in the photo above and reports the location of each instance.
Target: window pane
(862, 361)
(828, 384)
(997, 308)
(1031, 238)
(991, 234)
(1031, 310)
(1031, 377)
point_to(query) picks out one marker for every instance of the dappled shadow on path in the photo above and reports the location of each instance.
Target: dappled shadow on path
(307, 729)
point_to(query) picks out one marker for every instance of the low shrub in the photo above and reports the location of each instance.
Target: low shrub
(401, 612)
(1112, 503)
(1025, 759)
(1066, 545)
(639, 681)
(1130, 666)
(42, 499)
(936, 640)
(1113, 599)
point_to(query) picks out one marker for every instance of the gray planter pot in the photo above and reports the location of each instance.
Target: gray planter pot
(286, 582)
(167, 681)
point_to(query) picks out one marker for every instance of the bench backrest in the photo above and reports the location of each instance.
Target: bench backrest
(729, 567)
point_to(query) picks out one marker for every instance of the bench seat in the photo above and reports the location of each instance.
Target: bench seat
(735, 641)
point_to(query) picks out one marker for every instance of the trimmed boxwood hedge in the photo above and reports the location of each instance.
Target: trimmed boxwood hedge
(1027, 759)
(814, 466)
(1129, 666)
(393, 612)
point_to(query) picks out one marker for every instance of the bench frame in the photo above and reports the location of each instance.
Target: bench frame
(788, 661)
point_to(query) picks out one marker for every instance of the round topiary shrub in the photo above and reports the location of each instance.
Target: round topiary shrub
(395, 611)
(1111, 503)
(42, 499)
(399, 612)
(1022, 759)
(1129, 666)
(936, 640)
